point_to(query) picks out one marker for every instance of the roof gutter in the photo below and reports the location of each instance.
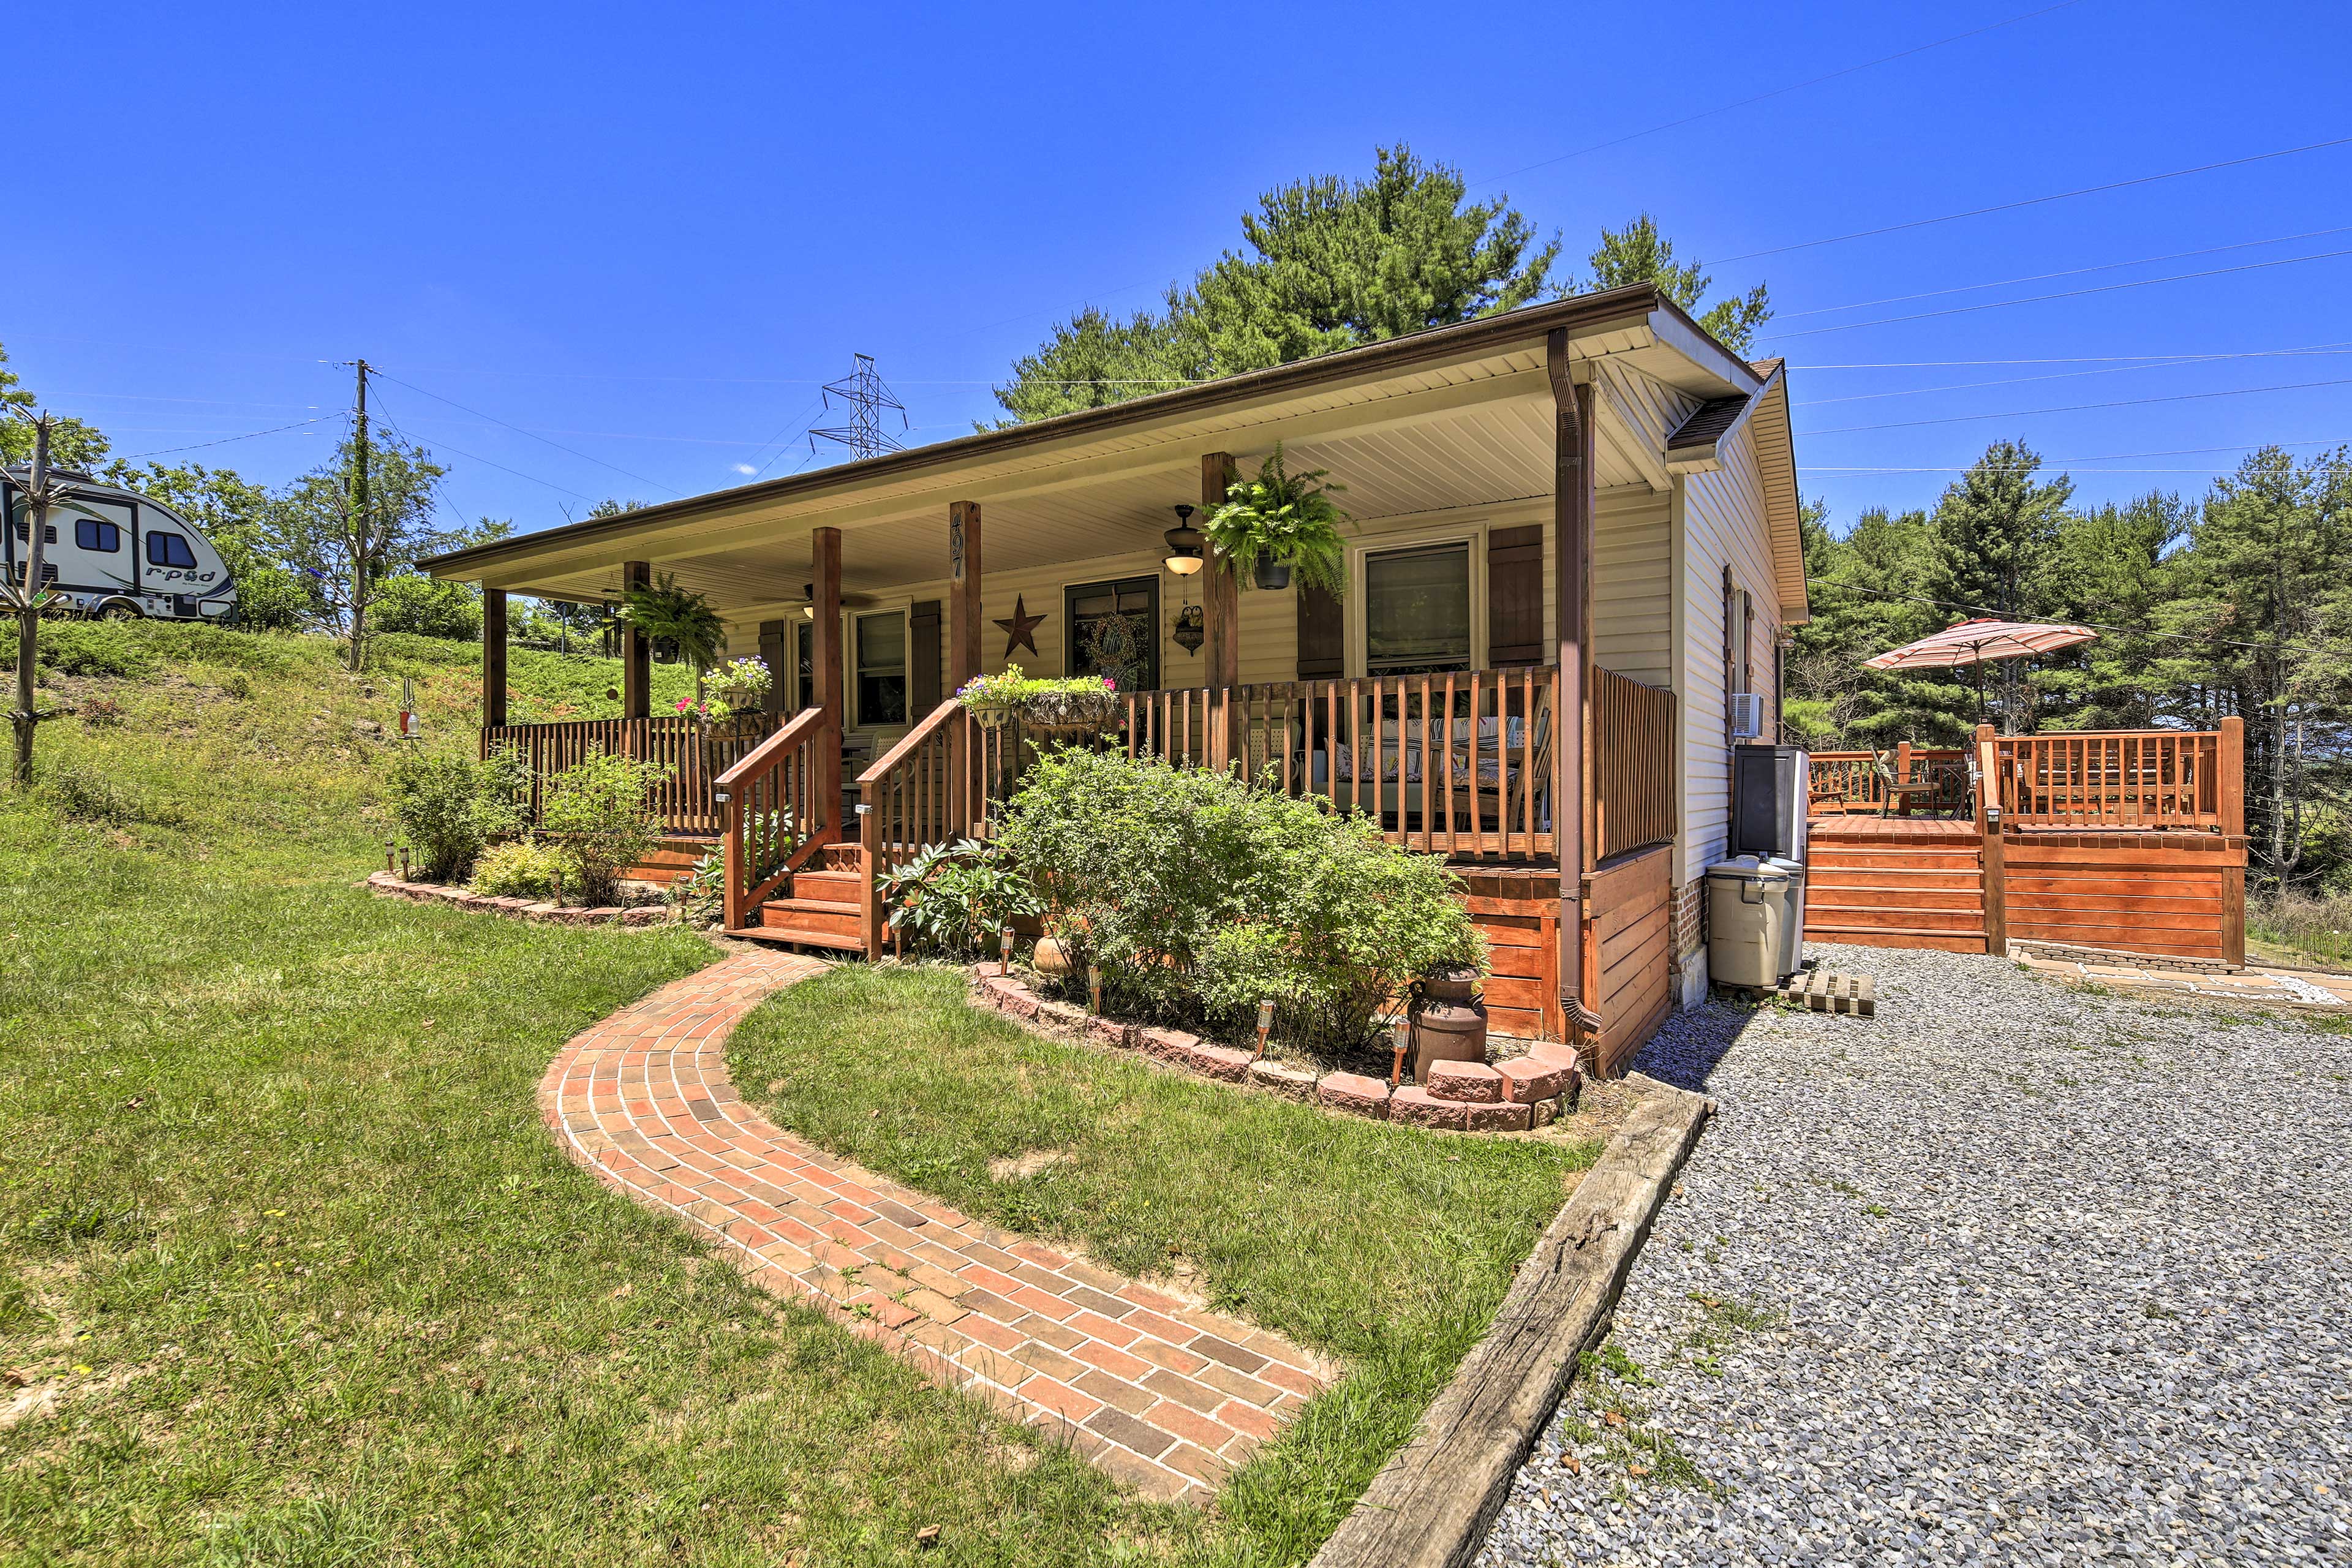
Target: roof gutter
(1391, 354)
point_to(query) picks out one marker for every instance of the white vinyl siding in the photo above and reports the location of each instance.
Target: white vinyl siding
(1725, 523)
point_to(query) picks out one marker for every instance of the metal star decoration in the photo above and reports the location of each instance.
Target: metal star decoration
(1020, 631)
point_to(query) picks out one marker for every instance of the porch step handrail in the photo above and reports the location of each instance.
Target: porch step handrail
(773, 820)
(916, 795)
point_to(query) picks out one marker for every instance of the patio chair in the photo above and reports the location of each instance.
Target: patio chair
(1892, 789)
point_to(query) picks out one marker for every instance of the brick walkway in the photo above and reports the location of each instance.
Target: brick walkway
(1162, 1395)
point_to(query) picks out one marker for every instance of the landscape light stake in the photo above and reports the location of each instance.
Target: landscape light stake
(1400, 1036)
(387, 856)
(1004, 950)
(1094, 988)
(403, 863)
(1265, 1023)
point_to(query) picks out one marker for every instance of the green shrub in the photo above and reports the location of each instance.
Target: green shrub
(1356, 921)
(450, 806)
(522, 869)
(700, 896)
(954, 897)
(1198, 897)
(600, 809)
(272, 599)
(413, 603)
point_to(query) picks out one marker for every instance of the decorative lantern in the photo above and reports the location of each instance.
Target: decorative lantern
(1191, 629)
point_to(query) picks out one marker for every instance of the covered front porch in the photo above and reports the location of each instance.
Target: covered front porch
(1495, 684)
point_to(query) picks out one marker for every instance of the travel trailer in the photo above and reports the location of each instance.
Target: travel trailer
(115, 553)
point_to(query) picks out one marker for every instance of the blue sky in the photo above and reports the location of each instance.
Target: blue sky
(647, 234)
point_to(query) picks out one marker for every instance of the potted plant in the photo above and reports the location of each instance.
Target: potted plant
(739, 693)
(1282, 524)
(1079, 704)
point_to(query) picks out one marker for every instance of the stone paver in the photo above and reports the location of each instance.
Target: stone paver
(1156, 1391)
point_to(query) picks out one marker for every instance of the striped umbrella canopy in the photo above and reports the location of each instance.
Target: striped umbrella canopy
(1981, 642)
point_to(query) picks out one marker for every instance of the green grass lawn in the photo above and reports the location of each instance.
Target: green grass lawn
(291, 1273)
(1385, 1247)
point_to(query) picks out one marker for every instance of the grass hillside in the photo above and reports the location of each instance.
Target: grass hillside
(289, 1271)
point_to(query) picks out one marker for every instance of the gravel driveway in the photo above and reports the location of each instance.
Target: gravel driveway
(2008, 1273)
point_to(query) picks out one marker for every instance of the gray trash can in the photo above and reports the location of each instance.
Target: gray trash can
(1793, 917)
(1747, 904)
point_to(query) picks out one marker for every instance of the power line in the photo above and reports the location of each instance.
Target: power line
(2079, 407)
(2068, 272)
(1776, 92)
(2065, 294)
(532, 434)
(471, 458)
(2037, 201)
(2073, 359)
(2103, 458)
(2070, 374)
(250, 435)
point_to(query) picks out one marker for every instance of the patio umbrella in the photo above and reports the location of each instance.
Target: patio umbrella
(1982, 641)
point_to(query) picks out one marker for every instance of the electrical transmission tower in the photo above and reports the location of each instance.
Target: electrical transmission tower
(865, 397)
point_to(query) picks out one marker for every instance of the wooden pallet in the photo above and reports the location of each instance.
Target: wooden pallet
(1824, 992)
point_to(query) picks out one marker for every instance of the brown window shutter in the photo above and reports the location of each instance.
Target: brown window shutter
(773, 636)
(922, 659)
(1515, 620)
(1322, 636)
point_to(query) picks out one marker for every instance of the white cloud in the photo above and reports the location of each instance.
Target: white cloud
(745, 468)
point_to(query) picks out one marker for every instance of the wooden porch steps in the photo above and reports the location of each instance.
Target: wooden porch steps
(1870, 887)
(818, 907)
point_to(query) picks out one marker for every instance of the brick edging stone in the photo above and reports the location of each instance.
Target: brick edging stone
(1433, 1501)
(1524, 1104)
(384, 885)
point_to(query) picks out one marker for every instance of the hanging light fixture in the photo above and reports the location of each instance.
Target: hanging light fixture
(1183, 544)
(808, 600)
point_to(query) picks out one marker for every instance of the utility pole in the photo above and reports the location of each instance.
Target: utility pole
(26, 599)
(358, 529)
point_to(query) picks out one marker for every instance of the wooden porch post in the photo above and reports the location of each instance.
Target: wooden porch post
(636, 651)
(1220, 605)
(494, 657)
(1995, 855)
(2229, 805)
(826, 785)
(1572, 558)
(963, 650)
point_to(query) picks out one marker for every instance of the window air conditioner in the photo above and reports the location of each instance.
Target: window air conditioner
(1747, 715)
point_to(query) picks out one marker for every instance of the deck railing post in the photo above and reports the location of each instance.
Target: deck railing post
(1995, 861)
(2230, 777)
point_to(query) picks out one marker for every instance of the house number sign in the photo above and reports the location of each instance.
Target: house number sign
(955, 548)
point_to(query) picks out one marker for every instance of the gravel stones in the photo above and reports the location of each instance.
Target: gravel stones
(2009, 1273)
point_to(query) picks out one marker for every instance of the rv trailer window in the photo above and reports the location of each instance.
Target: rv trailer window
(169, 550)
(97, 533)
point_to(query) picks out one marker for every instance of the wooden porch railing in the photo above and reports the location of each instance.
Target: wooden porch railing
(683, 800)
(1632, 770)
(914, 796)
(1848, 781)
(1463, 764)
(2154, 779)
(773, 818)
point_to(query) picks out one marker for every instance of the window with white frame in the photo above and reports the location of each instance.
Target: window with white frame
(882, 669)
(1417, 610)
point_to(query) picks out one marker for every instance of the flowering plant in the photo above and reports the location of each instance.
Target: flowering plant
(708, 708)
(741, 684)
(1074, 699)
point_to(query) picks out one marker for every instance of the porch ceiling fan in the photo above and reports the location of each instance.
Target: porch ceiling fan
(849, 601)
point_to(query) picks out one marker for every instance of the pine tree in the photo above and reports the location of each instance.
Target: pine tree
(1639, 254)
(1328, 263)
(1996, 532)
